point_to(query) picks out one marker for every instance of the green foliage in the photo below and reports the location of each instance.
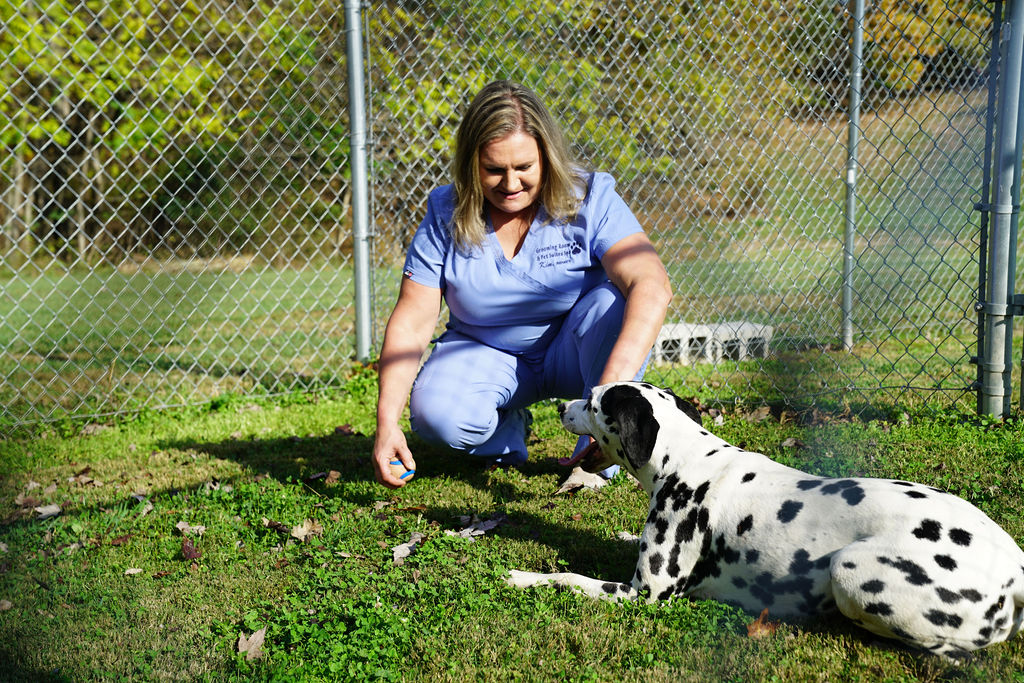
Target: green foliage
(337, 607)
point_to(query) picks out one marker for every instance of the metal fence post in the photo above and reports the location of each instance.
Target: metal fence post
(359, 177)
(853, 137)
(996, 361)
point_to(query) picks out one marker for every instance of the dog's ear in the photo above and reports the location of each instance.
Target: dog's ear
(638, 430)
(686, 407)
(689, 410)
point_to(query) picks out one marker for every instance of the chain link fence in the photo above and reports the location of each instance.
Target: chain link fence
(174, 192)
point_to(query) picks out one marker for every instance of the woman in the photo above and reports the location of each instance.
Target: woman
(551, 284)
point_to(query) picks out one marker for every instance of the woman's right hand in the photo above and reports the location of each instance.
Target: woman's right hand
(390, 445)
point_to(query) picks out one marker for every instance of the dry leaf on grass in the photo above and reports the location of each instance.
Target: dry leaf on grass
(132, 571)
(5, 605)
(276, 526)
(47, 511)
(187, 529)
(400, 552)
(253, 645)
(476, 526)
(761, 627)
(307, 530)
(189, 551)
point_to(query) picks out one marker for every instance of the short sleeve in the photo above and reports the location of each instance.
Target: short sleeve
(611, 219)
(424, 261)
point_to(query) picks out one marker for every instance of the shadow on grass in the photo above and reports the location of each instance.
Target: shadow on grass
(308, 459)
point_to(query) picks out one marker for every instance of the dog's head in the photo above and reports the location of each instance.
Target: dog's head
(625, 419)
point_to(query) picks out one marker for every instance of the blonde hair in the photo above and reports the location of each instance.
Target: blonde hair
(500, 109)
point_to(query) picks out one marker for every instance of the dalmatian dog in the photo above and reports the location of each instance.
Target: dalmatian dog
(903, 560)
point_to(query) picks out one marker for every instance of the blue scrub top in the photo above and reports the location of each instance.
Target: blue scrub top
(518, 305)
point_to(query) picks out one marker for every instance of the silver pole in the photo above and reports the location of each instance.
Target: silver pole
(852, 139)
(359, 177)
(996, 362)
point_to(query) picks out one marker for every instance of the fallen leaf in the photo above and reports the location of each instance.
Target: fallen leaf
(146, 509)
(313, 477)
(332, 477)
(21, 500)
(761, 627)
(758, 414)
(3, 547)
(477, 527)
(252, 646)
(307, 530)
(5, 605)
(131, 571)
(120, 540)
(345, 430)
(32, 485)
(400, 552)
(47, 511)
(276, 526)
(189, 551)
(187, 529)
(160, 574)
(793, 442)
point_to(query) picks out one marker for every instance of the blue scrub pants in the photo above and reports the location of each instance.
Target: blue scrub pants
(468, 395)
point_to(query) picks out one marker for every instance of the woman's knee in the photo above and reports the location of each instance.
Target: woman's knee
(448, 422)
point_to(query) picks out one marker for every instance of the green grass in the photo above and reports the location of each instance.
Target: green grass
(337, 607)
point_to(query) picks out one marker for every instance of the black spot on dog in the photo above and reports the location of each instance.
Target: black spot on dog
(801, 563)
(745, 525)
(993, 609)
(880, 608)
(943, 618)
(673, 561)
(823, 562)
(960, 537)
(928, 530)
(837, 486)
(946, 562)
(661, 524)
(703, 519)
(789, 510)
(947, 596)
(985, 632)
(749, 476)
(610, 588)
(702, 490)
(664, 461)
(684, 532)
(873, 586)
(752, 556)
(655, 561)
(972, 595)
(913, 572)
(808, 484)
(916, 494)
(739, 582)
(853, 496)
(711, 452)
(903, 483)
(849, 565)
